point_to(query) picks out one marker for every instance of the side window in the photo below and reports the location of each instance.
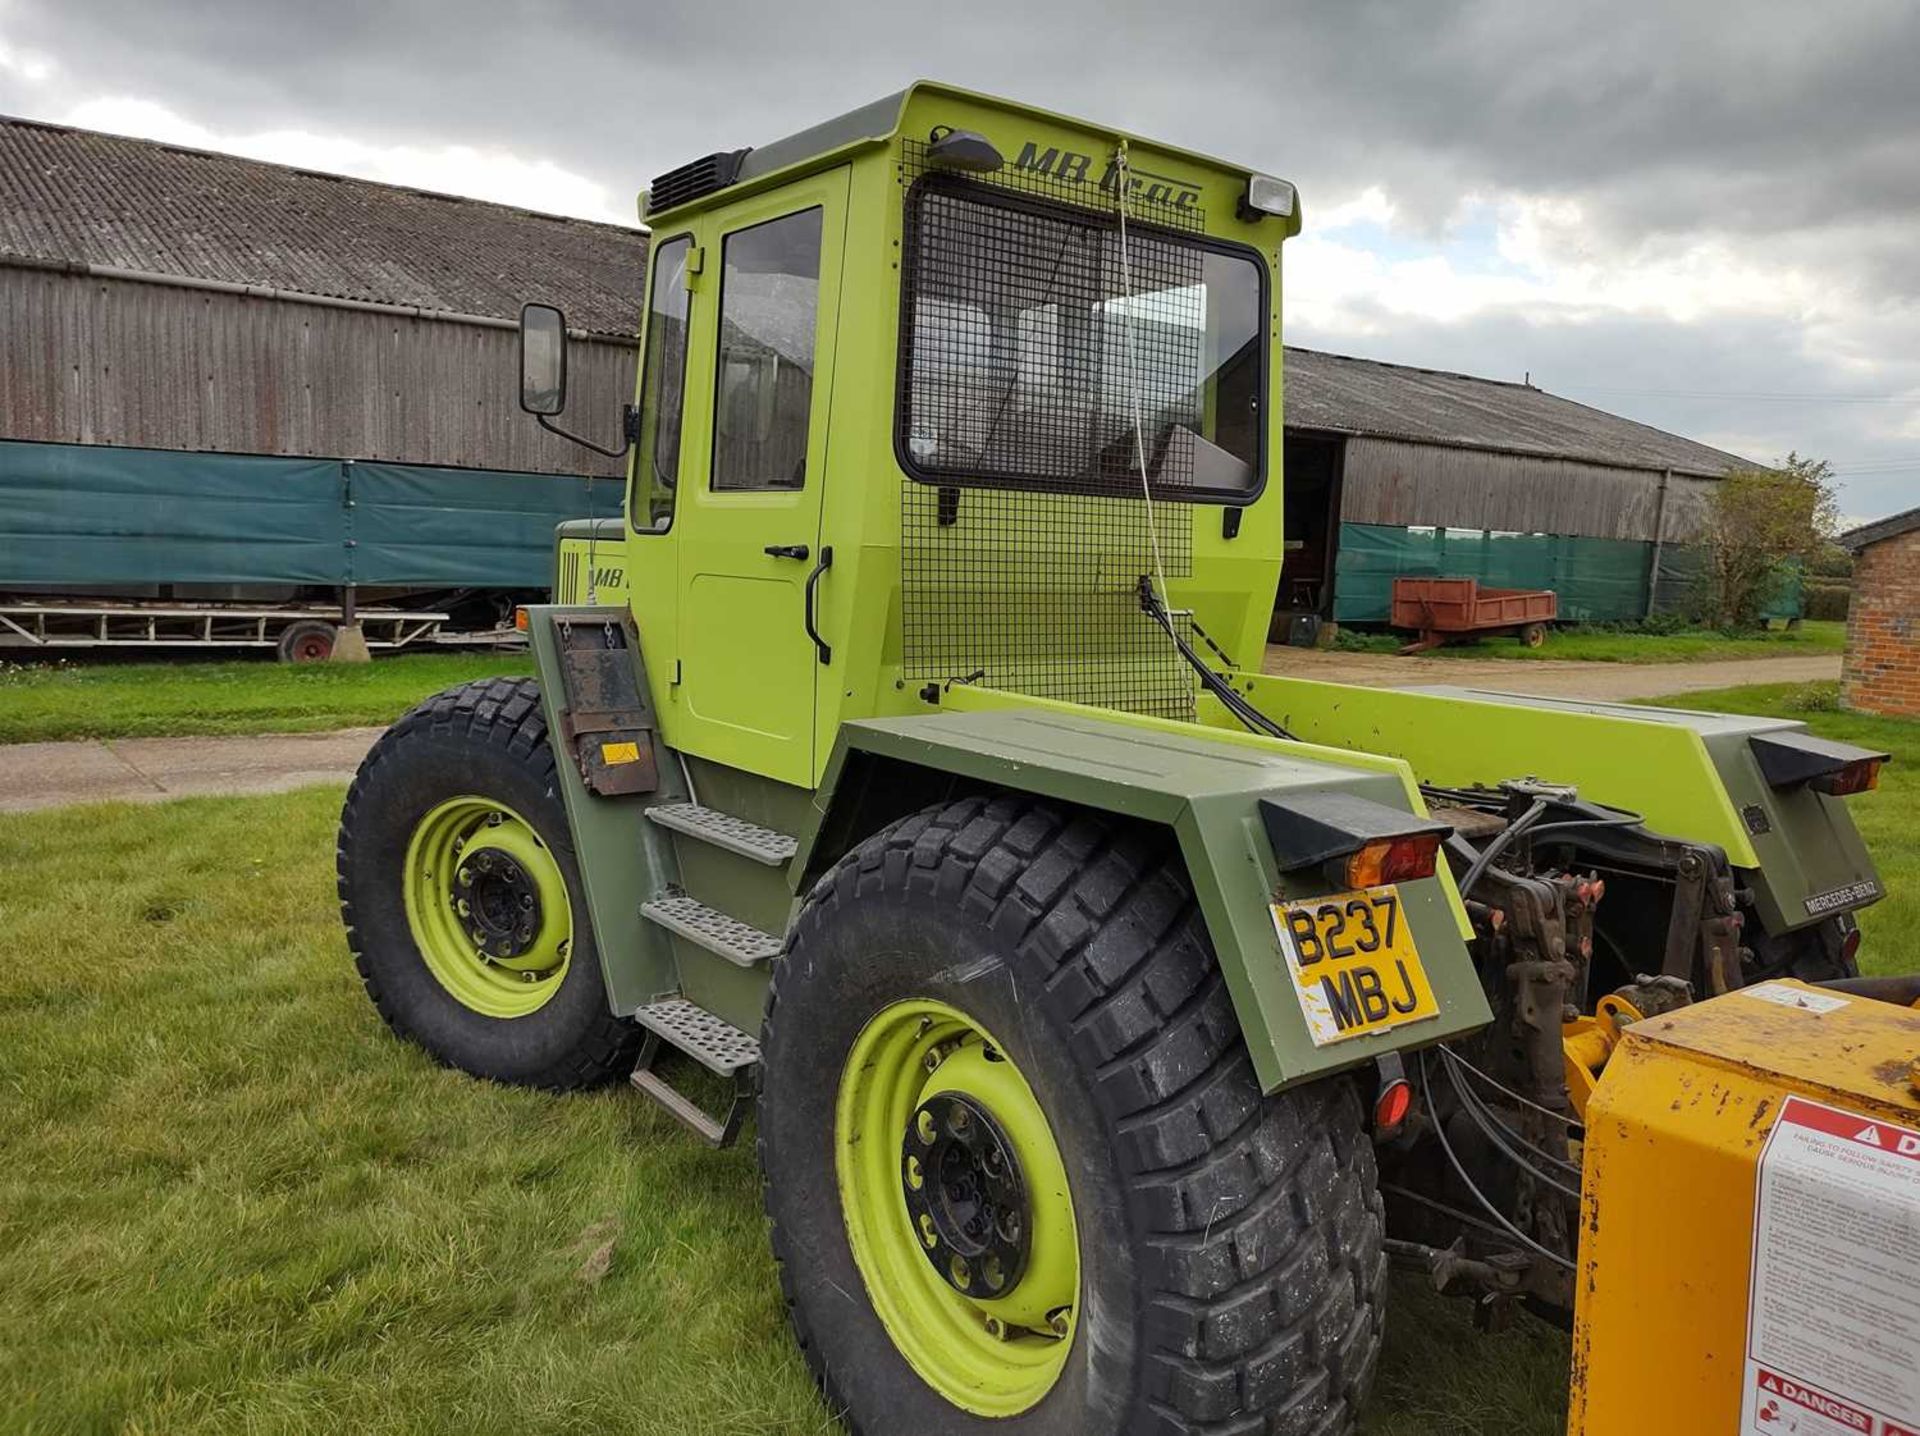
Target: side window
(763, 378)
(664, 395)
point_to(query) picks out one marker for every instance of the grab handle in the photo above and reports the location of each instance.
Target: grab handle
(813, 582)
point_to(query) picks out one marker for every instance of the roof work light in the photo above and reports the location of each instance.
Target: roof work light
(1266, 195)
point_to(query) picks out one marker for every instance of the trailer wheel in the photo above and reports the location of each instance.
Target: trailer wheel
(1019, 1173)
(308, 641)
(462, 898)
(1533, 635)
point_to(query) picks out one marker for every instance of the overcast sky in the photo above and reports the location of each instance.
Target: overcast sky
(1702, 215)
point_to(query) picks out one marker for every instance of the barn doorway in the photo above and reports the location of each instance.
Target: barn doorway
(1311, 507)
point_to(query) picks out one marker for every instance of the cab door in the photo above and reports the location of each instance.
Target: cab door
(751, 564)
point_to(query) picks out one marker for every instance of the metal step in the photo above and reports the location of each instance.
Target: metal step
(715, 1044)
(738, 942)
(723, 830)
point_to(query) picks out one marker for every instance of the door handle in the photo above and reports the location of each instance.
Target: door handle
(813, 582)
(787, 550)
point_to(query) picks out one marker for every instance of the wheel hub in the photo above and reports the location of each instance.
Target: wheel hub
(498, 902)
(966, 1195)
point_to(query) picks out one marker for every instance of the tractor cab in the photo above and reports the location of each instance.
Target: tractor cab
(925, 392)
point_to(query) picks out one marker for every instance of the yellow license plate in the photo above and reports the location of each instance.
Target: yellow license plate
(1355, 968)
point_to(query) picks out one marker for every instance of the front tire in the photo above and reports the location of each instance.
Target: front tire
(463, 900)
(1228, 1272)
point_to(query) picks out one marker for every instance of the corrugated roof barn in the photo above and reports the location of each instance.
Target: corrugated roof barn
(197, 302)
(207, 303)
(76, 196)
(1335, 394)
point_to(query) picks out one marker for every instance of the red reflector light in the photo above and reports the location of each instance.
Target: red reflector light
(1389, 860)
(1858, 777)
(1390, 1108)
(1850, 944)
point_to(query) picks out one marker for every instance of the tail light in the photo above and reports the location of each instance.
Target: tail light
(1790, 759)
(1355, 841)
(1388, 860)
(1856, 777)
(520, 619)
(1393, 1095)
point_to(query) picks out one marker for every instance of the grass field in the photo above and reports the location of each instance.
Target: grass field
(229, 1201)
(1607, 645)
(43, 703)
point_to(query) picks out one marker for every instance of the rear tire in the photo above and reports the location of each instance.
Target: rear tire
(476, 749)
(1533, 635)
(1230, 1245)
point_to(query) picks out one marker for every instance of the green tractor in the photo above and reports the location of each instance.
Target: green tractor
(904, 759)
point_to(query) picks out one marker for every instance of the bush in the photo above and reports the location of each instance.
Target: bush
(1825, 600)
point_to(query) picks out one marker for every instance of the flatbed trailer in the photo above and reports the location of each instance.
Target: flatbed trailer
(301, 632)
(1446, 608)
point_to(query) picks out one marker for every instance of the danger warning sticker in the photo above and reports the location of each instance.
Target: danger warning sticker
(1833, 1328)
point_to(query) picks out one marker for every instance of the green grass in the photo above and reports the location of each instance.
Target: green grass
(230, 1201)
(43, 703)
(1613, 645)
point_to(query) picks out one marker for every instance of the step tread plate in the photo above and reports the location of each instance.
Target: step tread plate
(713, 1042)
(724, 830)
(738, 942)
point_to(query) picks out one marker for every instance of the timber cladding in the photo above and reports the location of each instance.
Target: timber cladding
(1400, 484)
(91, 360)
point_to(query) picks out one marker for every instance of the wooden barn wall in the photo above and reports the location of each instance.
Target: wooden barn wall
(105, 361)
(1420, 485)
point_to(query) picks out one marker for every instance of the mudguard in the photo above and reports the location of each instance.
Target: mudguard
(1208, 789)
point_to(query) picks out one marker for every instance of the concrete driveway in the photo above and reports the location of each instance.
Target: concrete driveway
(144, 770)
(147, 770)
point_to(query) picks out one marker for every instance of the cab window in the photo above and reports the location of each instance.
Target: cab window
(763, 380)
(664, 390)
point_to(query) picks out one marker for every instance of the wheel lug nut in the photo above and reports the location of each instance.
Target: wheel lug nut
(1057, 1320)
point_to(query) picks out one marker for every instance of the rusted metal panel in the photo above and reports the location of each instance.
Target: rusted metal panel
(1419, 485)
(104, 361)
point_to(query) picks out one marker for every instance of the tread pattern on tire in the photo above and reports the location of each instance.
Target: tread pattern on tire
(1263, 1268)
(505, 712)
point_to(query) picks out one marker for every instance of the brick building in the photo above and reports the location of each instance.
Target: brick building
(1882, 670)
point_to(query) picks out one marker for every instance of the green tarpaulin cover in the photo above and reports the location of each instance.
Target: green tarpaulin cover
(75, 514)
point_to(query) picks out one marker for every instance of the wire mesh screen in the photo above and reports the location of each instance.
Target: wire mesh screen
(1040, 366)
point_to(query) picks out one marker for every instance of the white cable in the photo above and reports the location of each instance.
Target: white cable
(1124, 185)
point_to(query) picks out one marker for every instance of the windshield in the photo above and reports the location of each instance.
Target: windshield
(1038, 353)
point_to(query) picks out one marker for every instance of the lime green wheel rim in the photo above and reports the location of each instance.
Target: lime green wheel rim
(488, 907)
(994, 1352)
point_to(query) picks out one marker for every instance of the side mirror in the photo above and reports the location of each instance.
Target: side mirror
(543, 360)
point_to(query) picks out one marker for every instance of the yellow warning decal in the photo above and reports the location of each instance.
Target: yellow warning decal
(613, 754)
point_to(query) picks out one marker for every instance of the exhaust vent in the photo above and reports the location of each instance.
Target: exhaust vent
(702, 177)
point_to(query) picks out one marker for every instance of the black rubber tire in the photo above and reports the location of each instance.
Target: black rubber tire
(487, 738)
(298, 641)
(1232, 1258)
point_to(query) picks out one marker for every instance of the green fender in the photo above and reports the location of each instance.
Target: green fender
(1207, 791)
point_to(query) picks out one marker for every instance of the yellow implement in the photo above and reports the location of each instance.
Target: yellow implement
(1750, 1222)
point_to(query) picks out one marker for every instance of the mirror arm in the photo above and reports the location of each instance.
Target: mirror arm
(629, 426)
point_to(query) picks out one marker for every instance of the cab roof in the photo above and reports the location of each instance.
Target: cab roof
(877, 122)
